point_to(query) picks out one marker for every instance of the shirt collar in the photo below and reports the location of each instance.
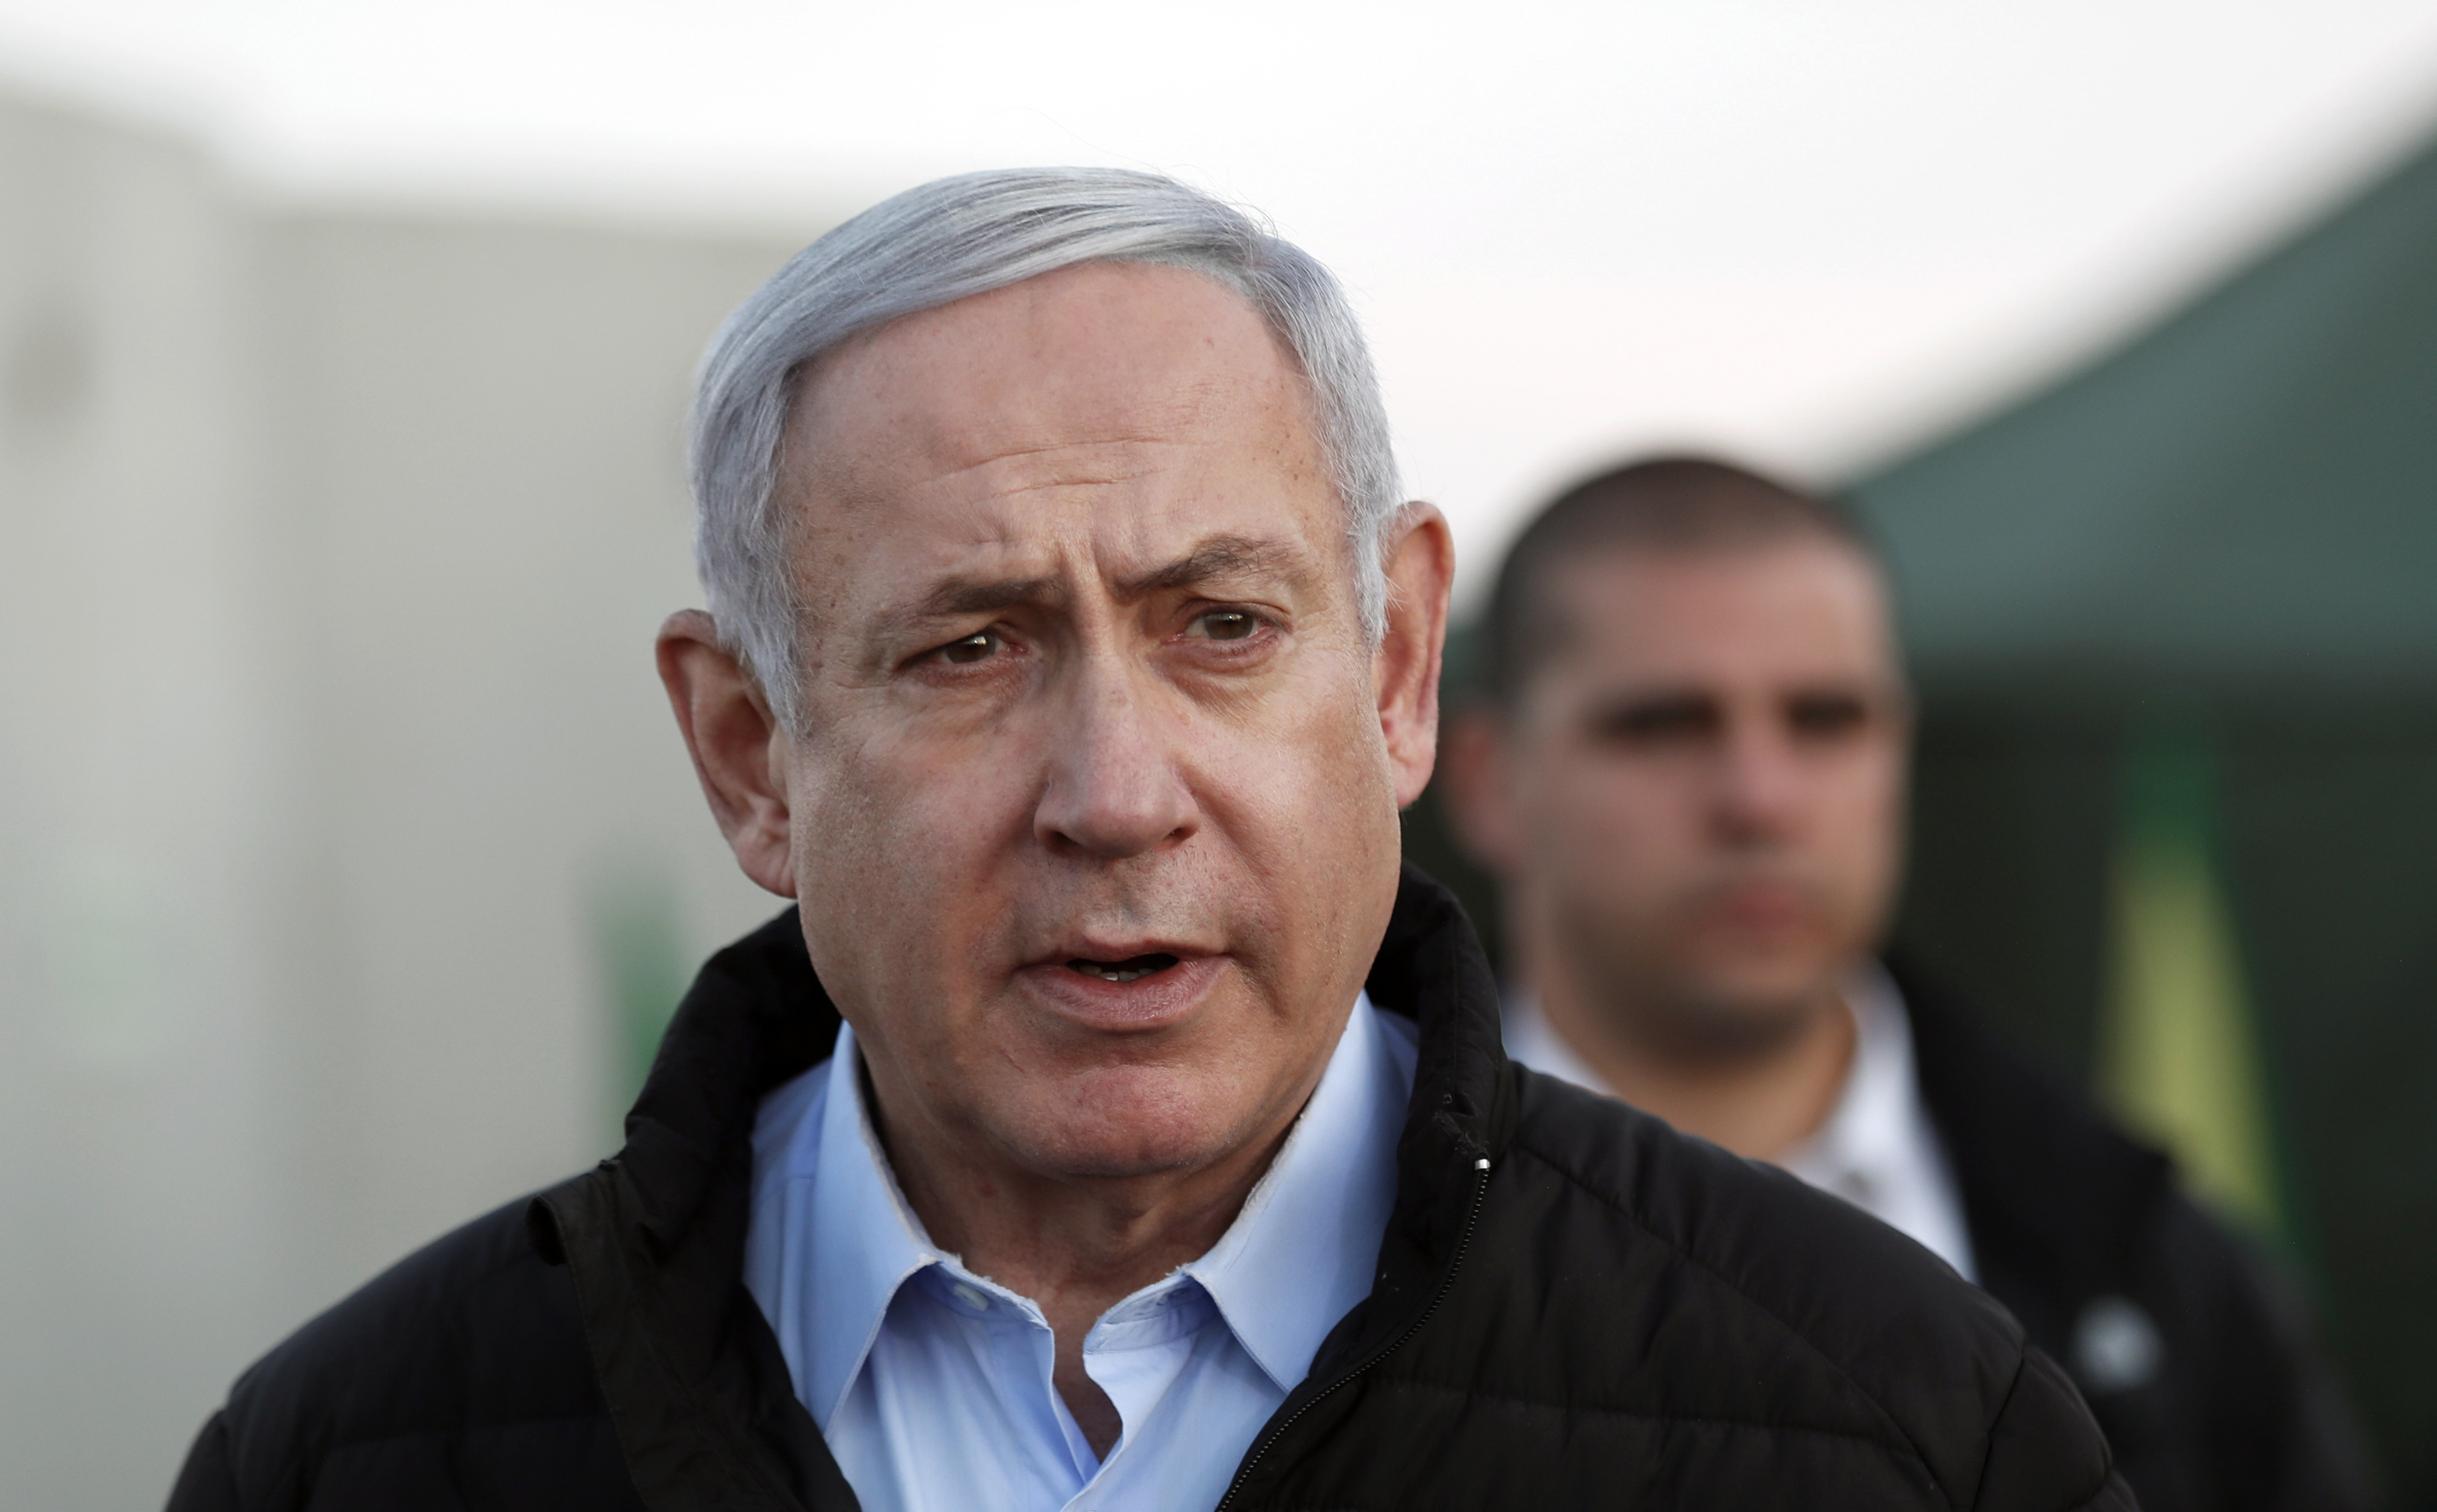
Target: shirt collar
(1869, 1138)
(866, 1240)
(1878, 1148)
(1303, 1251)
(1531, 1040)
(1297, 1260)
(1870, 1133)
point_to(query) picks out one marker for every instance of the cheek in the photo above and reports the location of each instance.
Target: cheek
(1312, 793)
(1299, 819)
(1873, 792)
(1864, 811)
(884, 824)
(1610, 816)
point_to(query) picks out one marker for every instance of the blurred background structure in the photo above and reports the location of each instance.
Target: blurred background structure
(2175, 619)
(348, 864)
(340, 821)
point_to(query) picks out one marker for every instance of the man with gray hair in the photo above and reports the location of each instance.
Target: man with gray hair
(1114, 1121)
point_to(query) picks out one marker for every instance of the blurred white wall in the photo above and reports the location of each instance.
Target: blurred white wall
(137, 828)
(332, 542)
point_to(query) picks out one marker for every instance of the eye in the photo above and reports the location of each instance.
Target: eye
(979, 647)
(1825, 716)
(1226, 624)
(1668, 720)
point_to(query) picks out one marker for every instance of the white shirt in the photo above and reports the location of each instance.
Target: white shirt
(932, 1385)
(1877, 1150)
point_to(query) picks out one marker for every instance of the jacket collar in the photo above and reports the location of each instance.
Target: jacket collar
(2051, 1190)
(654, 1236)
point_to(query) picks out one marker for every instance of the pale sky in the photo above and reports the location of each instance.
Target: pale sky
(1810, 231)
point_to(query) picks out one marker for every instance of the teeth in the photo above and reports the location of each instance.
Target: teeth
(1111, 973)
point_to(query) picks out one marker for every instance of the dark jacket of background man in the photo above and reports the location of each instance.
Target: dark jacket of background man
(1570, 1308)
(2192, 1353)
(1639, 647)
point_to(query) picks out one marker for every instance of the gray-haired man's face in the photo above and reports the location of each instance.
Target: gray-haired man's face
(1093, 817)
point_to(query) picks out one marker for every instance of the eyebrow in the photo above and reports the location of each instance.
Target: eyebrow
(1218, 556)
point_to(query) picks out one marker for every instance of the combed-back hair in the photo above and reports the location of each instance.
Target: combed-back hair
(959, 237)
(1666, 503)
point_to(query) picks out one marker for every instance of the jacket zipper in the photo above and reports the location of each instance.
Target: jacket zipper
(1447, 1281)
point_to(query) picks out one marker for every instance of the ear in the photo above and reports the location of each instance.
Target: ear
(1475, 791)
(739, 750)
(1420, 561)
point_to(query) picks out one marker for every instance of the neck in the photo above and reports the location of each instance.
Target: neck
(1076, 1244)
(1759, 1095)
(1092, 1238)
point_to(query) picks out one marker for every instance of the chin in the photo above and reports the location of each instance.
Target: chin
(1132, 1121)
(1775, 963)
(1766, 994)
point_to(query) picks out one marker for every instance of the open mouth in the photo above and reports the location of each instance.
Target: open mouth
(1133, 968)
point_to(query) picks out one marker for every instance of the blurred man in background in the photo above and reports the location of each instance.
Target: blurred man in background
(1688, 773)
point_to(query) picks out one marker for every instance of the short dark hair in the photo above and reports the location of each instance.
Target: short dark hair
(1685, 503)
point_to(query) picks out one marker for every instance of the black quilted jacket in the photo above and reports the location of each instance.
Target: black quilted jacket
(1575, 1308)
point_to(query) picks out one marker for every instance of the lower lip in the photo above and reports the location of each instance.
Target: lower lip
(1151, 1002)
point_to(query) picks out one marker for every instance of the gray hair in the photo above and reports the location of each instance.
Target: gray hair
(959, 237)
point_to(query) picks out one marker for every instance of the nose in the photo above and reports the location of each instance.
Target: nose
(1115, 786)
(1758, 798)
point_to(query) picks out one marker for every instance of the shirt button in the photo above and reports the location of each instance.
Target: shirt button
(973, 1296)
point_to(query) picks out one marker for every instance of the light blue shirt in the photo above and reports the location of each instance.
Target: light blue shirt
(932, 1385)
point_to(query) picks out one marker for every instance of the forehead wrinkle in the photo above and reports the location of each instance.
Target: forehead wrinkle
(947, 433)
(851, 486)
(1098, 462)
(857, 493)
(941, 429)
